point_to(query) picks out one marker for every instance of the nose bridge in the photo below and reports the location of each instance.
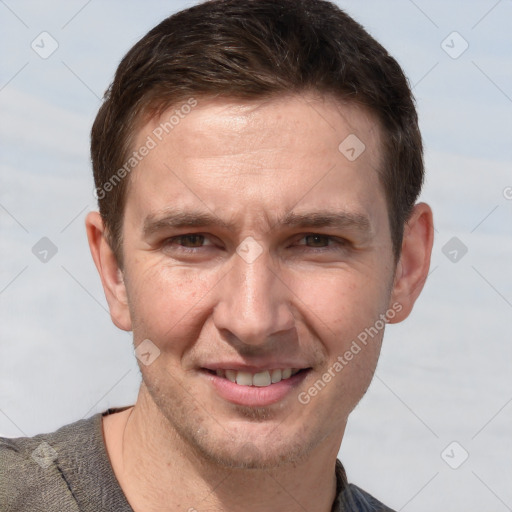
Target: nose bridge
(256, 283)
(253, 301)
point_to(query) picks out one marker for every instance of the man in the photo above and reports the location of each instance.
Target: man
(257, 164)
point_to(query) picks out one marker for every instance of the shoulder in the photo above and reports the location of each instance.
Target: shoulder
(351, 498)
(357, 500)
(31, 475)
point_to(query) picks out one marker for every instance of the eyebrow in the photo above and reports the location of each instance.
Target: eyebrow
(317, 219)
(177, 220)
(340, 220)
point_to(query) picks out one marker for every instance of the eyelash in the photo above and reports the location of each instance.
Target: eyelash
(337, 242)
(192, 250)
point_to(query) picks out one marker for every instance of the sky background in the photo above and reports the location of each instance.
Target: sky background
(445, 375)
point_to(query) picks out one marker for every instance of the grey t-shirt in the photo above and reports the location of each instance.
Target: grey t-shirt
(69, 471)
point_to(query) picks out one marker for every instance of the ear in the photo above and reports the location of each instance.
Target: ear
(412, 268)
(110, 273)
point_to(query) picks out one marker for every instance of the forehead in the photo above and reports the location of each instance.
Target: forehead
(258, 154)
(311, 120)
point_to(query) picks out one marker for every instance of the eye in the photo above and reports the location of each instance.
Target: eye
(193, 240)
(319, 241)
(190, 242)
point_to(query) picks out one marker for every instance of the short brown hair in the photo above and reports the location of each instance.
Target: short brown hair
(252, 49)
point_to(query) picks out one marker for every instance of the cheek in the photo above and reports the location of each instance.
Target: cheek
(341, 303)
(343, 310)
(166, 304)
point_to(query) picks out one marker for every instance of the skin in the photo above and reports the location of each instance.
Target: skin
(303, 300)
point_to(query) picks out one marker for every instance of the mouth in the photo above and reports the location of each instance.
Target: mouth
(259, 388)
(259, 379)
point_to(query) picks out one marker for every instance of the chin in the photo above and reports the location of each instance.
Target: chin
(241, 438)
(252, 446)
(249, 456)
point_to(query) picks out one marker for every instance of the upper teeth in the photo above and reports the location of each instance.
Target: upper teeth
(260, 379)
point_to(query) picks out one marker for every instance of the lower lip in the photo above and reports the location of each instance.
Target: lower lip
(254, 396)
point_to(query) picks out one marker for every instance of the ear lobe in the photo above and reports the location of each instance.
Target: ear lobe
(413, 266)
(111, 275)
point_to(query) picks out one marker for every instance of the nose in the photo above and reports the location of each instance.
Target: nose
(253, 303)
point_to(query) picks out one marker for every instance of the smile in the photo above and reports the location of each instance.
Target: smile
(255, 388)
(259, 379)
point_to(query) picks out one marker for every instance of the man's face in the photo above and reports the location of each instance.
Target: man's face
(253, 244)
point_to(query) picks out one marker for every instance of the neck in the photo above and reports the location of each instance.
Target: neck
(158, 471)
